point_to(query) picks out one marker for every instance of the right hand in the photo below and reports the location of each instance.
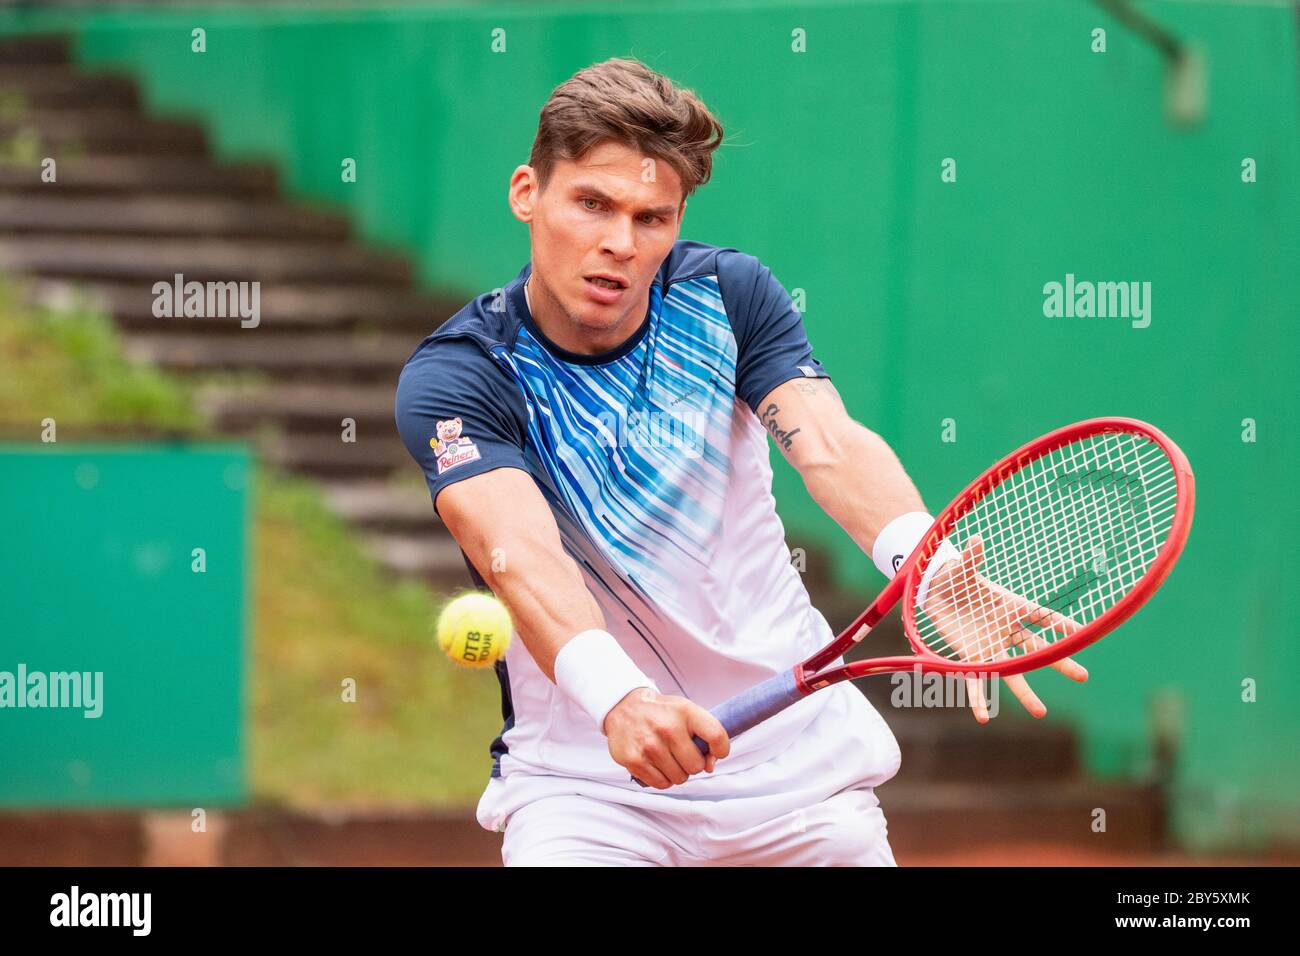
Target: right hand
(650, 734)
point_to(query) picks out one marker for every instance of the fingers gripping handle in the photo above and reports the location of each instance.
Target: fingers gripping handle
(751, 707)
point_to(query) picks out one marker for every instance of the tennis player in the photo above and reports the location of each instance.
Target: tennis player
(594, 435)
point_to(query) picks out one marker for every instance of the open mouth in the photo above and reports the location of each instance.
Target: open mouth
(605, 283)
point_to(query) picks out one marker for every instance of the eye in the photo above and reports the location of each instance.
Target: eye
(595, 203)
(650, 219)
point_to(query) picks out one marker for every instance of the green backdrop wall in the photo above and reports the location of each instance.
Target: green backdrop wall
(98, 577)
(923, 297)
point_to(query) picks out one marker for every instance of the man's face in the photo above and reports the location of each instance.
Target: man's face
(614, 212)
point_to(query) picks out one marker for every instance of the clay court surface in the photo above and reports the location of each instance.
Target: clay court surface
(268, 838)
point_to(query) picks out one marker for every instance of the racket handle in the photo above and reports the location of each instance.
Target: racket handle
(751, 707)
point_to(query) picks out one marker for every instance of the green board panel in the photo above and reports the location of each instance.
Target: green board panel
(97, 571)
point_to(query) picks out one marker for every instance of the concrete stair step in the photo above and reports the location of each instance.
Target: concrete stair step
(153, 260)
(400, 530)
(189, 216)
(305, 408)
(60, 86)
(436, 559)
(385, 507)
(284, 307)
(928, 817)
(949, 745)
(35, 49)
(106, 131)
(343, 356)
(330, 459)
(338, 356)
(132, 173)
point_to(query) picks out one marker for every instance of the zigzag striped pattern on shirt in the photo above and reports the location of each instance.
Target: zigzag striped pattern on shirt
(638, 447)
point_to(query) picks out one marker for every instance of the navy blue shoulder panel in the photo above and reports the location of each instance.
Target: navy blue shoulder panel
(458, 409)
(772, 344)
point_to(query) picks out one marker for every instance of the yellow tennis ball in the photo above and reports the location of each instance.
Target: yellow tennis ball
(474, 629)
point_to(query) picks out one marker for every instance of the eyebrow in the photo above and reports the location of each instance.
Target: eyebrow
(595, 193)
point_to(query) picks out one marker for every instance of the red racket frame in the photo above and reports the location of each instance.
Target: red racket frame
(814, 674)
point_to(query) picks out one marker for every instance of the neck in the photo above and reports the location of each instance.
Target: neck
(557, 327)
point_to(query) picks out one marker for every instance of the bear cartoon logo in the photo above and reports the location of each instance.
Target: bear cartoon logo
(450, 447)
(448, 431)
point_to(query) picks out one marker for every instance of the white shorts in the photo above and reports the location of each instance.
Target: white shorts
(847, 829)
(812, 802)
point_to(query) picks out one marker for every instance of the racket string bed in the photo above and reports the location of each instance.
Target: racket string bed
(1045, 573)
(1039, 573)
(1071, 534)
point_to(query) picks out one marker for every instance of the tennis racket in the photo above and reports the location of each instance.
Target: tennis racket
(1050, 549)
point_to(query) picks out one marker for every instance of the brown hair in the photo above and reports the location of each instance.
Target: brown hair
(625, 101)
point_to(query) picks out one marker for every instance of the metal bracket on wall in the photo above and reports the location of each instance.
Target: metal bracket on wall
(1184, 66)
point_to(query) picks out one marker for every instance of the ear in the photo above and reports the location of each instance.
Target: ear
(521, 195)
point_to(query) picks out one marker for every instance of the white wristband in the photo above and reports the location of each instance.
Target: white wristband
(596, 673)
(898, 539)
(942, 556)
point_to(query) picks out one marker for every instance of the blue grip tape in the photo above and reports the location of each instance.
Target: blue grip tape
(751, 707)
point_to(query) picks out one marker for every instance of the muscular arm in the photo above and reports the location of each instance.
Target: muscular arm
(517, 551)
(848, 469)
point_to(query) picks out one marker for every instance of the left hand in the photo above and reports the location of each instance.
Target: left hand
(981, 620)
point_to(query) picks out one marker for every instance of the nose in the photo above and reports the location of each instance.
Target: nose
(620, 238)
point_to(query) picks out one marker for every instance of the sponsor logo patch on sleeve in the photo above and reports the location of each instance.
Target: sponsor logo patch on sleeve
(450, 447)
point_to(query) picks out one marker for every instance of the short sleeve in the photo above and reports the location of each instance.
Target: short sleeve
(459, 413)
(772, 346)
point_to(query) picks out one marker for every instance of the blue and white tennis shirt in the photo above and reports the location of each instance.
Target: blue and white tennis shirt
(655, 465)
